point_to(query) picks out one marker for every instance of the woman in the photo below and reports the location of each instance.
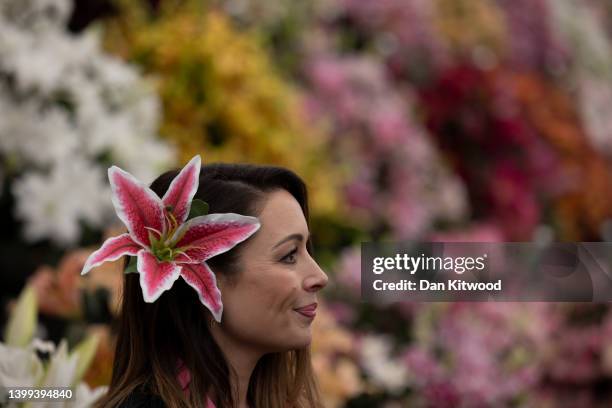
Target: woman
(172, 351)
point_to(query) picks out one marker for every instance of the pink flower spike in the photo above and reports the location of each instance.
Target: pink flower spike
(155, 277)
(112, 249)
(136, 205)
(203, 280)
(182, 189)
(205, 236)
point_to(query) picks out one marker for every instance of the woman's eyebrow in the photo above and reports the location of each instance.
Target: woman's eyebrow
(296, 236)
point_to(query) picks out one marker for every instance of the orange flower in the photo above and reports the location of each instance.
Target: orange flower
(336, 370)
(58, 290)
(582, 210)
(101, 369)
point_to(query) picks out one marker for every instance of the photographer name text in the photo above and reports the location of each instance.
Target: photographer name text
(426, 285)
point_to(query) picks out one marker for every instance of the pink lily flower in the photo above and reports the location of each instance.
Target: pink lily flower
(166, 244)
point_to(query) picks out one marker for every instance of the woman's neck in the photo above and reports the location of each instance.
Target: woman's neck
(242, 359)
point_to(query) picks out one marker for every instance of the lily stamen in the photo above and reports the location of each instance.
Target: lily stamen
(154, 230)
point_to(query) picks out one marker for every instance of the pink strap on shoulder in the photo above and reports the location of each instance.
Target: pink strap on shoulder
(184, 378)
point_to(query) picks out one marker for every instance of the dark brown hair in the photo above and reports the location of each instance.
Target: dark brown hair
(153, 336)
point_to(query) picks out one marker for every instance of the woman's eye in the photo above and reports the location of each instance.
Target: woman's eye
(290, 257)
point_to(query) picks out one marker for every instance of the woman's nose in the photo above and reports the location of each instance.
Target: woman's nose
(316, 278)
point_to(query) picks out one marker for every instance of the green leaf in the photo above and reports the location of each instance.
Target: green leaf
(198, 208)
(131, 268)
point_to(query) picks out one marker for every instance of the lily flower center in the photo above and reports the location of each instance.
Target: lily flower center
(162, 246)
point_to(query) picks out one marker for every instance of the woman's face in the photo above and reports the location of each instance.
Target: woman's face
(270, 306)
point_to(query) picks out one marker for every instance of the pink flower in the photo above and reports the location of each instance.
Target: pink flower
(166, 244)
(349, 270)
(476, 232)
(421, 362)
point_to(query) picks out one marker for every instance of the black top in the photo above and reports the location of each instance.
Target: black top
(140, 399)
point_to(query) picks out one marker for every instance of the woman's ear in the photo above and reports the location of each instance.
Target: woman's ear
(211, 323)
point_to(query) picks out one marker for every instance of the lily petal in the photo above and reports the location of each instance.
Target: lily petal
(203, 237)
(136, 205)
(155, 277)
(182, 189)
(203, 280)
(111, 250)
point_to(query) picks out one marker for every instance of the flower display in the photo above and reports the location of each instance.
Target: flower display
(21, 365)
(520, 172)
(375, 134)
(417, 120)
(222, 94)
(68, 108)
(533, 41)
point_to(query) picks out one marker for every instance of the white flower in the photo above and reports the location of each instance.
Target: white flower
(113, 73)
(51, 205)
(375, 355)
(39, 137)
(19, 367)
(595, 99)
(69, 105)
(145, 159)
(62, 372)
(38, 66)
(42, 346)
(85, 396)
(62, 368)
(42, 205)
(21, 324)
(11, 41)
(38, 15)
(589, 42)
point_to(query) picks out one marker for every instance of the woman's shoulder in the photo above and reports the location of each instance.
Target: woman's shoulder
(142, 399)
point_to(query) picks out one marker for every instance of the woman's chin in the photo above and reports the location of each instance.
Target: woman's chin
(301, 339)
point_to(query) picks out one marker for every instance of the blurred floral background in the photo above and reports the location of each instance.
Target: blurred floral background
(434, 120)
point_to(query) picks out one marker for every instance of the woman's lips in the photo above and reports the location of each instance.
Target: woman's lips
(308, 311)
